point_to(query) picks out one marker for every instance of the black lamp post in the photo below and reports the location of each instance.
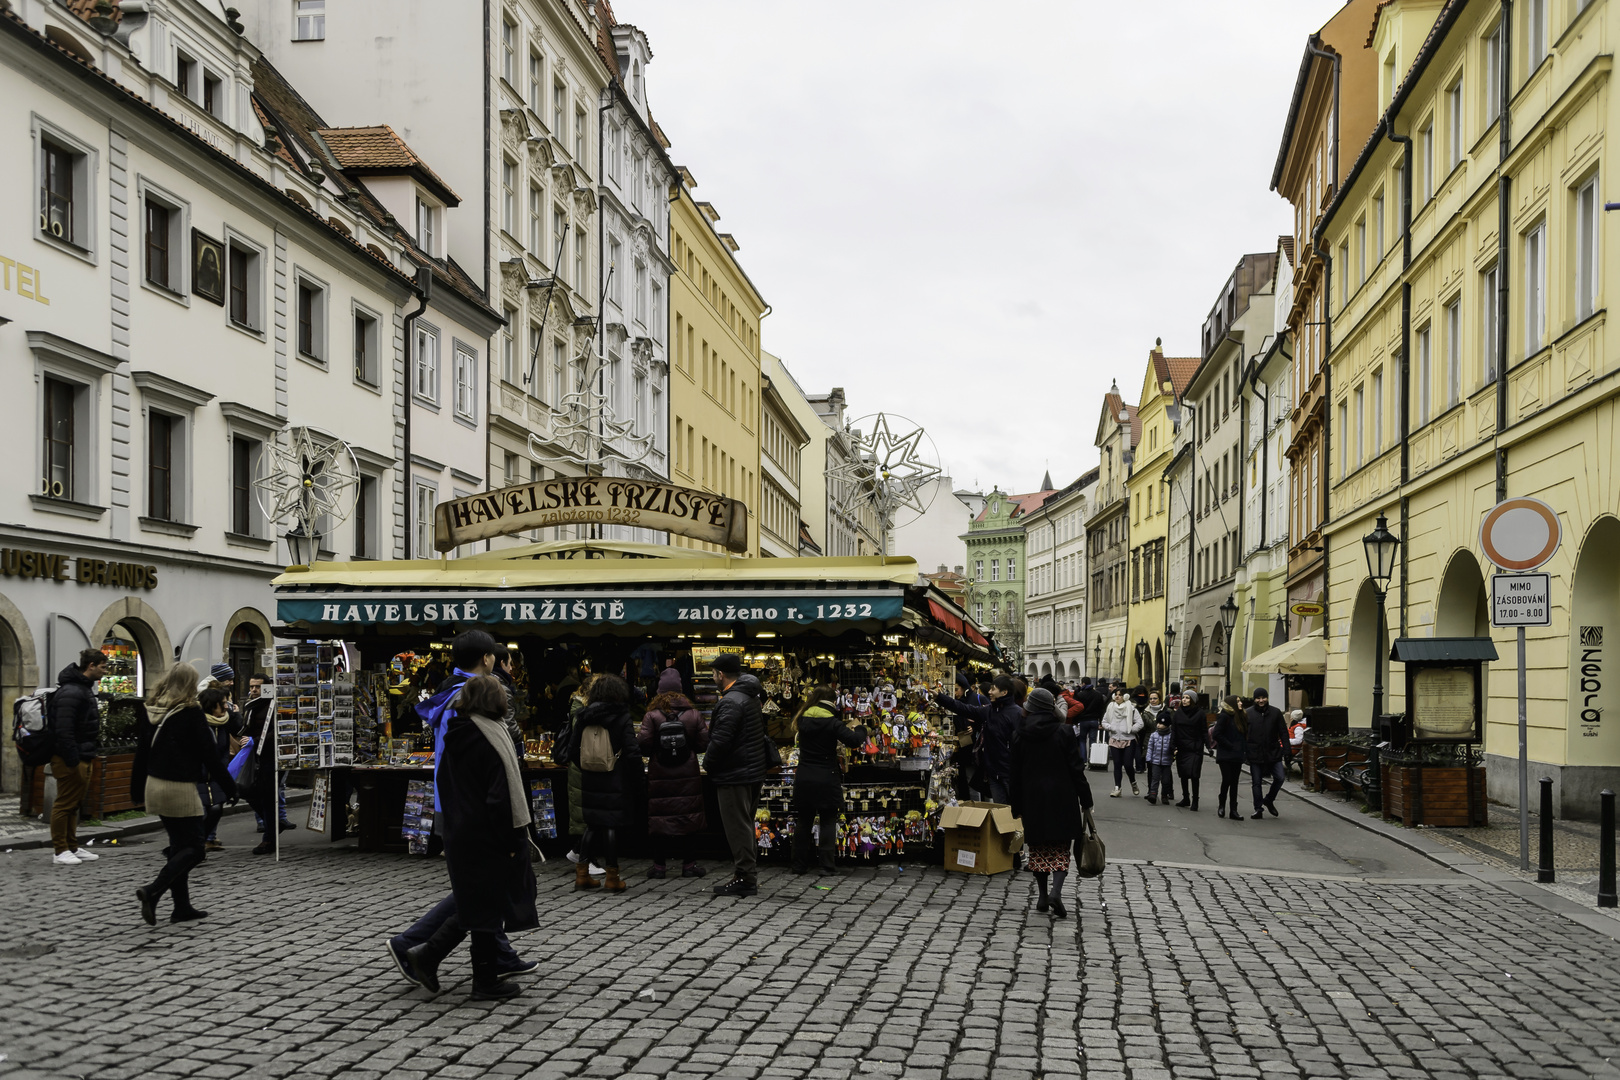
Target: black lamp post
(1229, 612)
(1380, 546)
(1141, 660)
(1169, 653)
(301, 545)
(1096, 663)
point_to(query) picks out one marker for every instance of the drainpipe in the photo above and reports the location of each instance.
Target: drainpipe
(424, 290)
(1504, 199)
(1327, 395)
(1406, 355)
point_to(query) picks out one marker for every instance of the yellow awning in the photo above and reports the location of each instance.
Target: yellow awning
(1302, 656)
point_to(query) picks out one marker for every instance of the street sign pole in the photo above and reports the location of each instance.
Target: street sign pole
(1524, 767)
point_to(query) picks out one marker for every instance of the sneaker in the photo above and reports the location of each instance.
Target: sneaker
(736, 887)
(85, 855)
(572, 856)
(1134, 790)
(658, 872)
(213, 845)
(522, 967)
(67, 858)
(597, 871)
(1114, 794)
(396, 953)
(495, 991)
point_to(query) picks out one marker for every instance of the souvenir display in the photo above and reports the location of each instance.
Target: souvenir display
(543, 808)
(417, 825)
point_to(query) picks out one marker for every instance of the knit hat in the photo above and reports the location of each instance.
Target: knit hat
(222, 673)
(962, 681)
(1040, 701)
(727, 663)
(669, 681)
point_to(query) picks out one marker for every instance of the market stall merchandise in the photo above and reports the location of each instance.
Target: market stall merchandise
(869, 626)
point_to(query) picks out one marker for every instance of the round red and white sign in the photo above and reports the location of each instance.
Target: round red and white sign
(1520, 534)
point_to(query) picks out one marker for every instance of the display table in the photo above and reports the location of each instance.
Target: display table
(380, 803)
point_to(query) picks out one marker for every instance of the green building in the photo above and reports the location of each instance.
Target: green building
(995, 567)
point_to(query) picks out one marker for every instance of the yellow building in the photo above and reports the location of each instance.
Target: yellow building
(714, 399)
(1149, 502)
(1471, 363)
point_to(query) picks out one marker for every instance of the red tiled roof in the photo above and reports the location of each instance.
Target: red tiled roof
(84, 9)
(377, 150)
(1372, 31)
(1178, 371)
(1136, 426)
(1022, 504)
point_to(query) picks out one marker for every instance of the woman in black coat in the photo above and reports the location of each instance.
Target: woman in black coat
(1229, 736)
(674, 782)
(484, 810)
(818, 783)
(1189, 734)
(1048, 792)
(172, 758)
(605, 796)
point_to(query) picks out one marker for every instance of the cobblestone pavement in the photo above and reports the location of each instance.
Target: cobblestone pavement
(1163, 973)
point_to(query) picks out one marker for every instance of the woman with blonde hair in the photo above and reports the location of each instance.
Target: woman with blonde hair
(172, 757)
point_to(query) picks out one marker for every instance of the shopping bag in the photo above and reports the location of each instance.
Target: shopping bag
(1093, 855)
(1097, 753)
(235, 767)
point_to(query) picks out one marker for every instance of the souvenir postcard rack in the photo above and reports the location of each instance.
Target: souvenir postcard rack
(315, 707)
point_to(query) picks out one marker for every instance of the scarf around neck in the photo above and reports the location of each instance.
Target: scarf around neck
(495, 732)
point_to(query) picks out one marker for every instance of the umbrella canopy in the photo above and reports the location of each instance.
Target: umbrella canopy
(1302, 656)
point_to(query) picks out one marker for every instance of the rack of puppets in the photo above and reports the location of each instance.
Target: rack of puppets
(362, 643)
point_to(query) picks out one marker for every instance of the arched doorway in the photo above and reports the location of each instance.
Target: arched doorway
(1361, 655)
(1461, 609)
(1046, 670)
(19, 675)
(1074, 669)
(1193, 660)
(246, 643)
(1032, 670)
(133, 623)
(1594, 634)
(1158, 666)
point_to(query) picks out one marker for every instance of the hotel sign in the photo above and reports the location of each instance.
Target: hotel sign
(593, 500)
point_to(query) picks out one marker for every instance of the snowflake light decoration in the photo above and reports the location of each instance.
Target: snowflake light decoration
(887, 468)
(306, 477)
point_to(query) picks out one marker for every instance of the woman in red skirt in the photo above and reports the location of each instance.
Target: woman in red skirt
(1048, 792)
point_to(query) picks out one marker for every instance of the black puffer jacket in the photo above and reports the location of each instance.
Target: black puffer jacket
(737, 735)
(75, 717)
(1048, 784)
(183, 749)
(1189, 730)
(605, 796)
(1267, 735)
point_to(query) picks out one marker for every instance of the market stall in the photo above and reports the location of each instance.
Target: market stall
(360, 643)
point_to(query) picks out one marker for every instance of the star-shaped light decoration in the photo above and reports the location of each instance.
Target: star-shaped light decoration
(306, 476)
(886, 469)
(585, 429)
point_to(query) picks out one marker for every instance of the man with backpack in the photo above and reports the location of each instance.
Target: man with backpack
(736, 764)
(472, 653)
(74, 720)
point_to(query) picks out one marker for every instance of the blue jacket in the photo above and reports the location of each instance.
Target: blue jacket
(1159, 748)
(435, 713)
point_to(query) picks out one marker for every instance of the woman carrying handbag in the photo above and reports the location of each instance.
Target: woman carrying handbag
(1049, 796)
(1121, 722)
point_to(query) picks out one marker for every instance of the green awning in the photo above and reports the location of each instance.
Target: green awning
(1442, 650)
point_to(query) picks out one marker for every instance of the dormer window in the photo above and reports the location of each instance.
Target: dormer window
(213, 100)
(425, 214)
(185, 74)
(635, 79)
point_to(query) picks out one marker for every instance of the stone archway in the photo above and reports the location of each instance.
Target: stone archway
(1192, 661)
(1594, 634)
(1361, 655)
(1046, 670)
(19, 675)
(1159, 670)
(1074, 670)
(1461, 609)
(146, 626)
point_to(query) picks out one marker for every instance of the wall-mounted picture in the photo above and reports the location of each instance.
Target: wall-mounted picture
(207, 268)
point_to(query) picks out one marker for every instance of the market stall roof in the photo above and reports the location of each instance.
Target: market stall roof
(1302, 656)
(1441, 650)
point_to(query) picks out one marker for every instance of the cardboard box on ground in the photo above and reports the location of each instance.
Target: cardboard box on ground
(980, 837)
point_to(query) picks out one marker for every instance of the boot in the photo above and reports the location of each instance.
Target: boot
(1195, 793)
(1058, 877)
(424, 959)
(487, 984)
(183, 911)
(1042, 902)
(1186, 800)
(582, 876)
(614, 882)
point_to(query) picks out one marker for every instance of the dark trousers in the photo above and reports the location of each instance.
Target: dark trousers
(823, 852)
(1231, 776)
(599, 846)
(664, 848)
(1086, 732)
(738, 802)
(444, 912)
(185, 851)
(1159, 777)
(1258, 775)
(213, 800)
(485, 948)
(990, 789)
(1124, 760)
(72, 781)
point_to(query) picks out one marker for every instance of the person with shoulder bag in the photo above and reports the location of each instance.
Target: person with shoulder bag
(672, 736)
(1121, 722)
(74, 720)
(1189, 734)
(818, 783)
(603, 745)
(1050, 795)
(171, 759)
(1228, 736)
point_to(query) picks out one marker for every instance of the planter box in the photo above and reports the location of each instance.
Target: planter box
(1322, 761)
(1448, 796)
(108, 792)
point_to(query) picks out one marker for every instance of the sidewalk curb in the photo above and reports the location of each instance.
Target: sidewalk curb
(134, 826)
(1455, 860)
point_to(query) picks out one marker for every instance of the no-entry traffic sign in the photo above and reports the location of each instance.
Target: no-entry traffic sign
(1520, 534)
(1521, 599)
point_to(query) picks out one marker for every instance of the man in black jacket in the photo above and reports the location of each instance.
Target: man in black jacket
(1265, 742)
(75, 736)
(735, 763)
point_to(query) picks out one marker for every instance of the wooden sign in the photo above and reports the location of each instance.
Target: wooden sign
(592, 500)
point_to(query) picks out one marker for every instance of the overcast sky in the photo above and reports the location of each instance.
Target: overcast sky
(979, 214)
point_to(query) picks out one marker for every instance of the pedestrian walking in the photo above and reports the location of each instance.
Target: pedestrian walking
(1048, 791)
(1266, 744)
(171, 758)
(672, 735)
(260, 704)
(602, 742)
(736, 765)
(1189, 732)
(484, 809)
(222, 728)
(1160, 752)
(1120, 723)
(818, 783)
(472, 654)
(1227, 735)
(75, 722)
(263, 784)
(993, 725)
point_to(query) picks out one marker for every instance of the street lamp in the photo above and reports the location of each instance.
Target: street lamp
(1229, 612)
(1380, 546)
(302, 546)
(1169, 653)
(1096, 663)
(1141, 660)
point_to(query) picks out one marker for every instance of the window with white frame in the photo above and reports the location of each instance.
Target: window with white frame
(66, 427)
(1426, 160)
(509, 51)
(1400, 200)
(1453, 352)
(1535, 289)
(581, 260)
(536, 95)
(425, 501)
(641, 292)
(1493, 75)
(1361, 251)
(163, 230)
(1378, 411)
(1360, 422)
(245, 516)
(1535, 33)
(311, 319)
(368, 518)
(244, 284)
(466, 398)
(581, 130)
(536, 221)
(65, 170)
(559, 229)
(559, 109)
(1012, 567)
(509, 198)
(614, 134)
(559, 363)
(165, 465)
(615, 272)
(1378, 228)
(1490, 327)
(1425, 372)
(426, 220)
(366, 347)
(1344, 276)
(509, 346)
(657, 302)
(425, 377)
(1454, 125)
(309, 20)
(1587, 218)
(995, 569)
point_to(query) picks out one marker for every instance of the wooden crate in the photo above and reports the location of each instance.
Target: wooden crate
(1321, 762)
(1437, 795)
(108, 792)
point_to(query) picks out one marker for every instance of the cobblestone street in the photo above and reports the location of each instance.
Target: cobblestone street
(1163, 972)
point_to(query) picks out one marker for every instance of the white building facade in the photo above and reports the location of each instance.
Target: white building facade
(1056, 576)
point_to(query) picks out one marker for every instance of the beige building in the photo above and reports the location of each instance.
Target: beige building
(783, 440)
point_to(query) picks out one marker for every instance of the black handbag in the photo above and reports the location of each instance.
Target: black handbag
(773, 756)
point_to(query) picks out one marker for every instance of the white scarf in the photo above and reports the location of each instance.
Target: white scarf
(496, 733)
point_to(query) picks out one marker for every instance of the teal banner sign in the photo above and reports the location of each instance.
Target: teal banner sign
(595, 609)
